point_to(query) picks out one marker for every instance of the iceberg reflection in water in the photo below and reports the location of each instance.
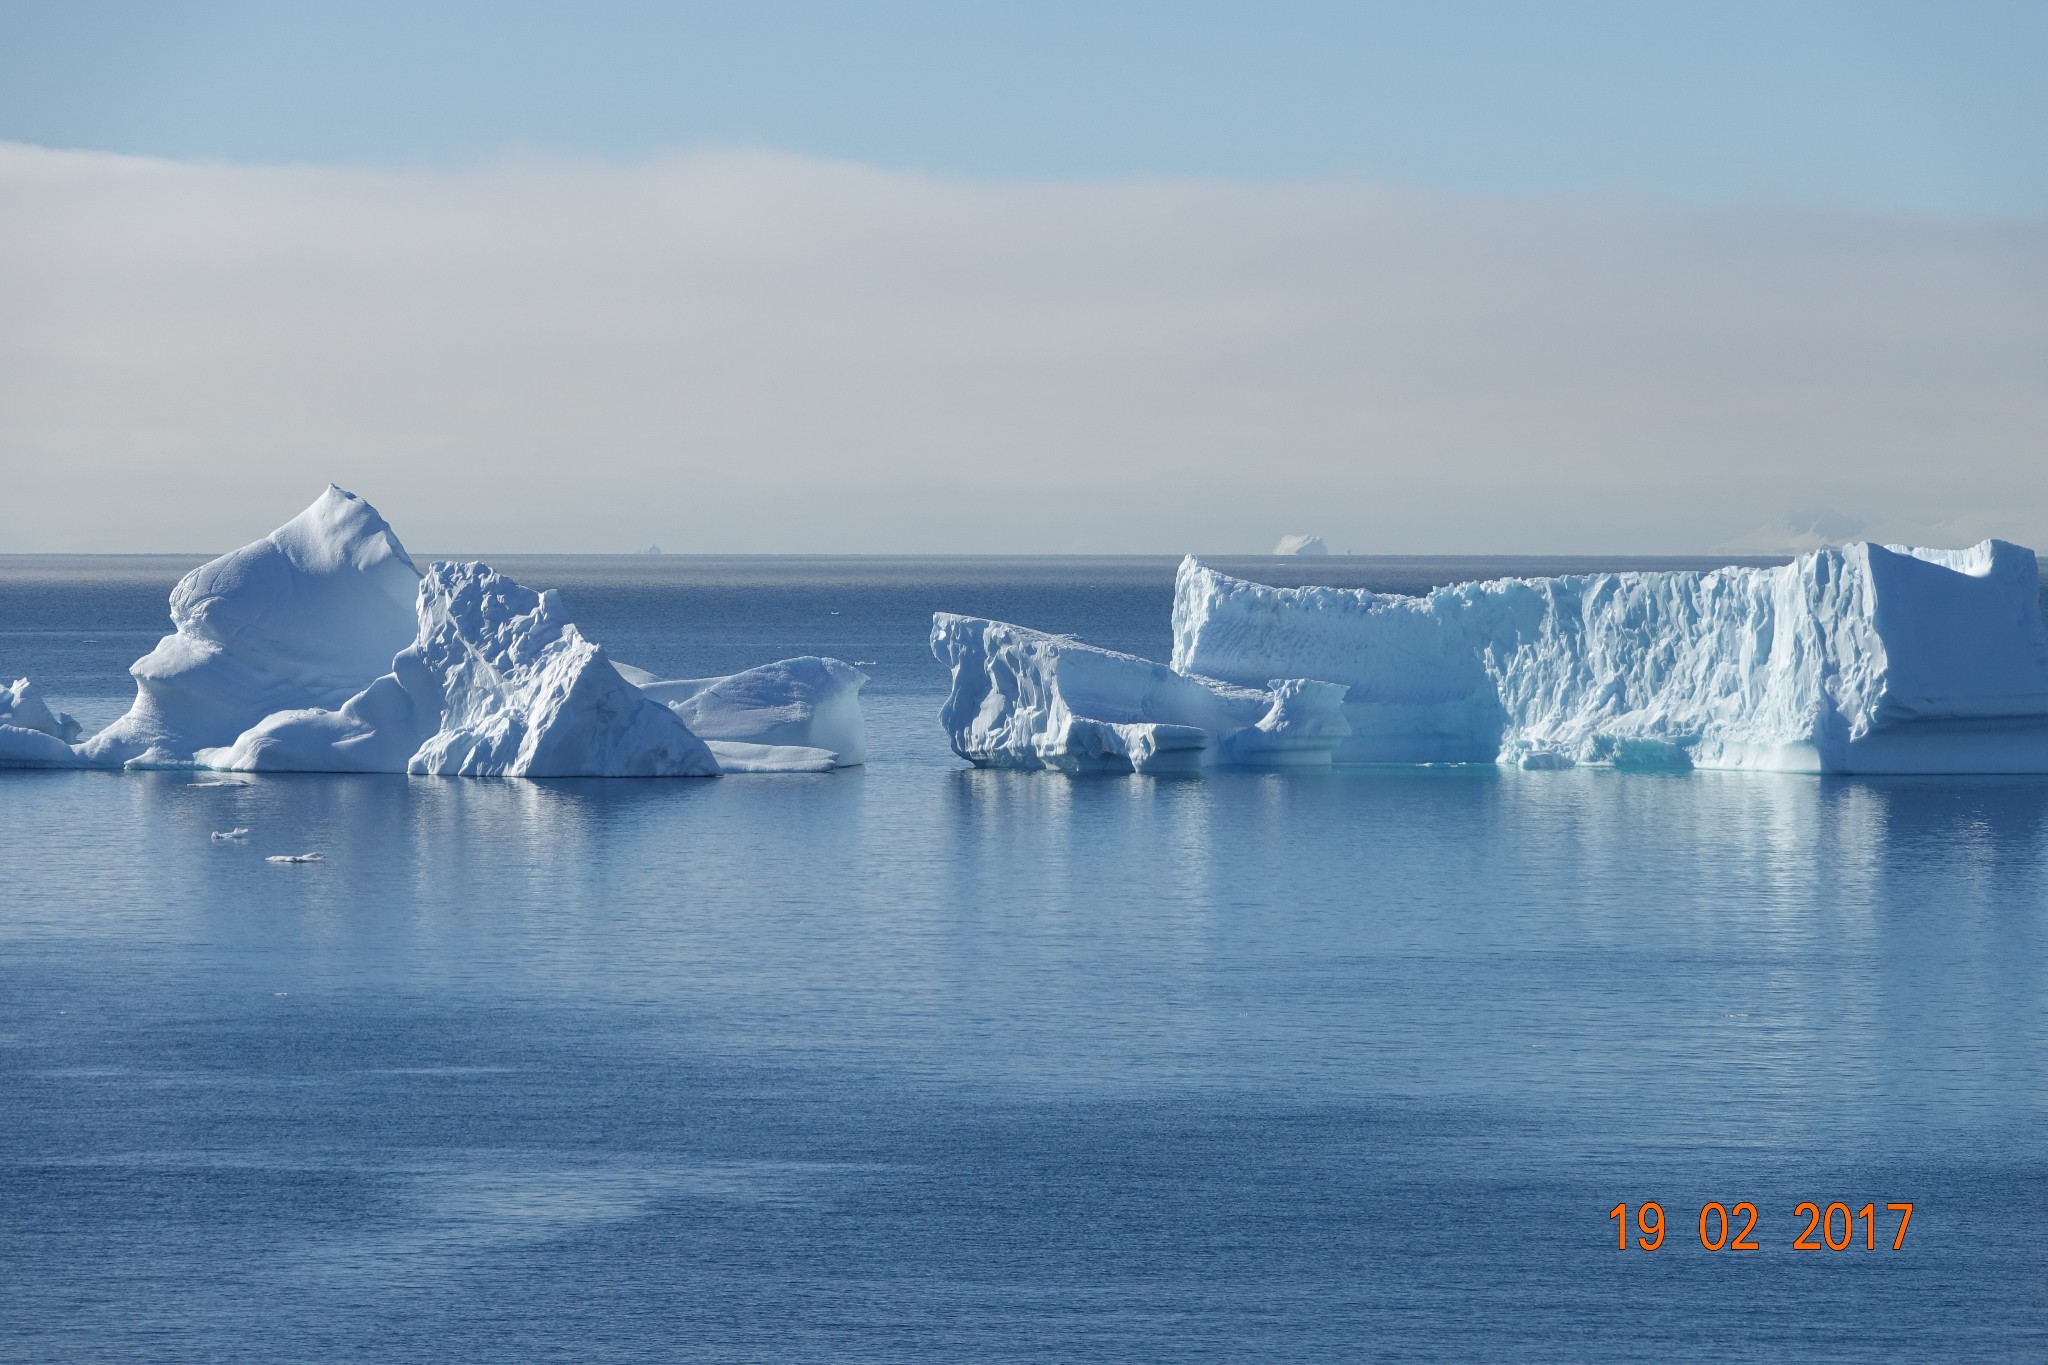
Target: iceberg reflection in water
(1015, 1066)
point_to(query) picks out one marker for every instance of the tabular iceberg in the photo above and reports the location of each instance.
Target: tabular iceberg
(1025, 699)
(1864, 659)
(321, 648)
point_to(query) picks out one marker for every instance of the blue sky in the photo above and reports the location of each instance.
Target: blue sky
(1939, 108)
(1461, 278)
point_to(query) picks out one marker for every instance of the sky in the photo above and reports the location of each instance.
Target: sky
(1617, 278)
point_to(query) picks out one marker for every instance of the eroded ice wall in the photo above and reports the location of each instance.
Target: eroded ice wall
(1861, 659)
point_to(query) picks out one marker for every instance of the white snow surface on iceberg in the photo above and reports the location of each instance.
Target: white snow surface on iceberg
(1025, 699)
(320, 648)
(305, 617)
(1860, 659)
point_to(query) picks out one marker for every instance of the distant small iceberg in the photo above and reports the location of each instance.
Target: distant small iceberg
(1301, 545)
(296, 858)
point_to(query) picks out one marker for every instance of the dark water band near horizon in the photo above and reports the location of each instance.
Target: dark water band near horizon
(918, 1062)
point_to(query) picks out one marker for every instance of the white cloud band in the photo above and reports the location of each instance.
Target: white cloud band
(747, 351)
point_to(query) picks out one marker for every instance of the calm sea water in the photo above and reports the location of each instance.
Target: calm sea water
(919, 1063)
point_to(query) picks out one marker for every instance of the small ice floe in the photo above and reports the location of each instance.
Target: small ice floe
(218, 782)
(238, 832)
(296, 858)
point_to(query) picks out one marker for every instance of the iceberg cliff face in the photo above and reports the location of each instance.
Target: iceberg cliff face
(1863, 659)
(1025, 699)
(320, 648)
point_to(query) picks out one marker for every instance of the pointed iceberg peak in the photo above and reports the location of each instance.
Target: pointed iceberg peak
(338, 528)
(306, 616)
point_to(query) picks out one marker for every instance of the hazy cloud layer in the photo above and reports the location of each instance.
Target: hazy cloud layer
(754, 352)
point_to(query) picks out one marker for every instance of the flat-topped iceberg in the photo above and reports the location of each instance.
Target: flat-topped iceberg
(1025, 699)
(321, 648)
(1864, 659)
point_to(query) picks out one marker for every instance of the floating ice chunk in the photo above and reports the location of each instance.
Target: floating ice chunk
(1301, 545)
(809, 703)
(25, 748)
(238, 832)
(296, 858)
(1025, 699)
(1862, 659)
(31, 734)
(22, 707)
(304, 617)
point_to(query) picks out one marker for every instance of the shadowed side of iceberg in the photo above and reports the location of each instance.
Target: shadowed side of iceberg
(1023, 699)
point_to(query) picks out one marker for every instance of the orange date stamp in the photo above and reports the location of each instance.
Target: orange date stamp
(1726, 1227)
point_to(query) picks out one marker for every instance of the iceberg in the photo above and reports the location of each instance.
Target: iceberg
(1301, 545)
(304, 617)
(1863, 659)
(321, 648)
(1024, 699)
(22, 706)
(808, 703)
(499, 683)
